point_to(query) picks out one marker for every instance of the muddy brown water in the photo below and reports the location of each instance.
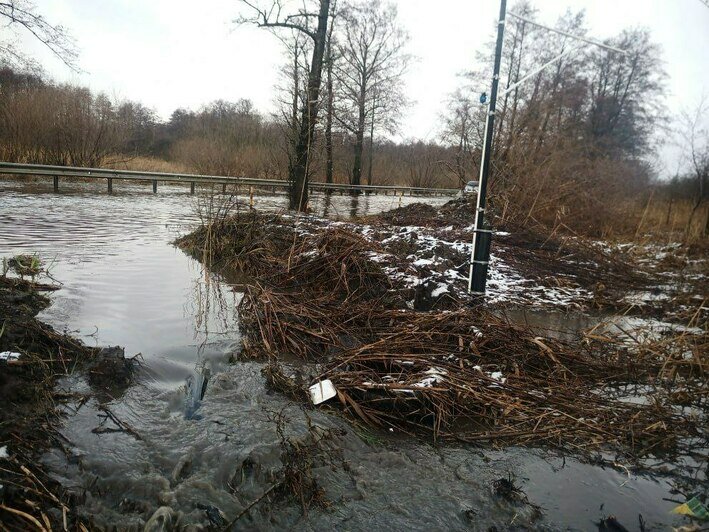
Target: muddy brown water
(125, 284)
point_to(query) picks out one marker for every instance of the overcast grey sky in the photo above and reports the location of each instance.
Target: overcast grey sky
(180, 53)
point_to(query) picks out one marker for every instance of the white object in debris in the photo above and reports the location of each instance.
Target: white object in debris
(322, 391)
(9, 355)
(3, 452)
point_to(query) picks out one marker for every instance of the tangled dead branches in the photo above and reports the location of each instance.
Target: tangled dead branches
(320, 296)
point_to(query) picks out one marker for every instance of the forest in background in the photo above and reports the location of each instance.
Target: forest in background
(48, 123)
(573, 146)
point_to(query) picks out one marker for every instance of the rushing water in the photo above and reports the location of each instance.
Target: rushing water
(206, 430)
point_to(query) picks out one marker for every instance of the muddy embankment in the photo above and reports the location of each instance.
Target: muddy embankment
(33, 357)
(378, 307)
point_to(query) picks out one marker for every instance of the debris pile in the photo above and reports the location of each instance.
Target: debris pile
(323, 292)
(470, 375)
(457, 213)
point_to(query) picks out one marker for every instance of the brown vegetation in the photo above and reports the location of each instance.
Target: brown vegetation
(320, 295)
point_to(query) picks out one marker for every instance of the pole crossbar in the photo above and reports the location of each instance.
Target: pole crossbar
(570, 35)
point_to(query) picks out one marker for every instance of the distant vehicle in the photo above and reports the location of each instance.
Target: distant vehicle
(470, 187)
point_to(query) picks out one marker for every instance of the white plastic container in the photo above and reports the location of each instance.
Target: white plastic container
(322, 391)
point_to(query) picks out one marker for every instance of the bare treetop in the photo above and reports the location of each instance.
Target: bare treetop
(22, 14)
(281, 14)
(298, 19)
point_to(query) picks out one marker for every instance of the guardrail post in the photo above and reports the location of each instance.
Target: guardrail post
(223, 188)
(56, 183)
(251, 197)
(155, 186)
(191, 187)
(110, 185)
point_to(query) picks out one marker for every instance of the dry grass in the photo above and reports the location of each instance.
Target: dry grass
(146, 164)
(472, 376)
(671, 218)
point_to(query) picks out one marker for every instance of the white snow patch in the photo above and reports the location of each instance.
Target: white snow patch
(436, 376)
(634, 330)
(497, 375)
(453, 274)
(441, 289)
(378, 257)
(639, 298)
(494, 375)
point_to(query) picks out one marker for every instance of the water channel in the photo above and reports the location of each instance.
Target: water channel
(206, 426)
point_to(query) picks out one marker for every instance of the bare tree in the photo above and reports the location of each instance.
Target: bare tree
(695, 136)
(462, 131)
(292, 92)
(274, 17)
(64, 125)
(624, 105)
(576, 133)
(369, 72)
(330, 58)
(421, 160)
(22, 15)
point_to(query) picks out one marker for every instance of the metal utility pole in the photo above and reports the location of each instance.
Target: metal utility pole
(480, 256)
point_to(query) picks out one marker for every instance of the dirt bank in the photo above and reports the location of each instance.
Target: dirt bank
(35, 355)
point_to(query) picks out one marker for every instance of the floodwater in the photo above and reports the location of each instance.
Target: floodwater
(207, 439)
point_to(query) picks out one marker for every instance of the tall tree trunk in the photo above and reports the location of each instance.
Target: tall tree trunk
(359, 143)
(515, 98)
(460, 155)
(371, 141)
(306, 138)
(328, 117)
(296, 90)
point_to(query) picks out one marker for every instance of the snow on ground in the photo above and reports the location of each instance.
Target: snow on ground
(635, 330)
(435, 259)
(438, 259)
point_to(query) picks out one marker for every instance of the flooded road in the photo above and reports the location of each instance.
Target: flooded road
(208, 444)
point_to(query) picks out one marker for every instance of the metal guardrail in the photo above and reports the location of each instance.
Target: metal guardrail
(104, 173)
